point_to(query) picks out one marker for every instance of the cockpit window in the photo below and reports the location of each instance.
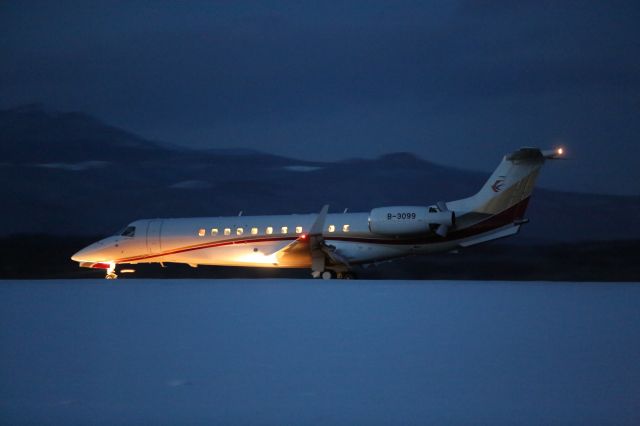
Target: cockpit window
(129, 231)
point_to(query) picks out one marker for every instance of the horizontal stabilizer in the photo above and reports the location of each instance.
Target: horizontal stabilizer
(503, 232)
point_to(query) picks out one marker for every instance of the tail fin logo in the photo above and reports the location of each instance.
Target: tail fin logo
(498, 184)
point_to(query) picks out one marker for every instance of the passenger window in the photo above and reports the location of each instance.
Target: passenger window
(201, 232)
(331, 228)
(214, 232)
(298, 229)
(227, 231)
(239, 231)
(345, 228)
(284, 229)
(269, 230)
(254, 231)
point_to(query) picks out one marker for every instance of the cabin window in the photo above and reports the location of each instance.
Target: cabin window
(227, 231)
(284, 229)
(345, 228)
(298, 229)
(331, 228)
(254, 231)
(202, 232)
(214, 232)
(269, 230)
(239, 231)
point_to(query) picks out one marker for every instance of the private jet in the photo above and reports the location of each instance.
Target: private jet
(330, 244)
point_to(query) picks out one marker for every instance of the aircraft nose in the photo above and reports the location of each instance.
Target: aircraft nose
(80, 255)
(88, 253)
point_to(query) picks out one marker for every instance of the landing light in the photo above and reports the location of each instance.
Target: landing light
(560, 151)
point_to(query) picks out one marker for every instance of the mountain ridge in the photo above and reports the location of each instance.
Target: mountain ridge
(72, 174)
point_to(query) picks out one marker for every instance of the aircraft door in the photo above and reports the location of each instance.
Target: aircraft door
(153, 236)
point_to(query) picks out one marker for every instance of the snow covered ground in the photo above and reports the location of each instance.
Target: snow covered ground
(315, 352)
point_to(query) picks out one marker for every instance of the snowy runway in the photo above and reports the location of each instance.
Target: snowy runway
(317, 352)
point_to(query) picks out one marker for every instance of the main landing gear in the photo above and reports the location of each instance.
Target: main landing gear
(322, 253)
(329, 275)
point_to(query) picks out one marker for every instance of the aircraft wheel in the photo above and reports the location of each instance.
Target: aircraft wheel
(327, 275)
(111, 276)
(349, 276)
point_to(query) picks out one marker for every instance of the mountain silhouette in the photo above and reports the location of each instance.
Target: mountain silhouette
(68, 173)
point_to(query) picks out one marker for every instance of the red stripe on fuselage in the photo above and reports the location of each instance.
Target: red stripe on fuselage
(206, 245)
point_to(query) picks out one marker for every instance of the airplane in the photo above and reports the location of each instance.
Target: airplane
(330, 244)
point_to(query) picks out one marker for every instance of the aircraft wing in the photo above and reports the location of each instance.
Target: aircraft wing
(295, 252)
(309, 247)
(281, 247)
(309, 240)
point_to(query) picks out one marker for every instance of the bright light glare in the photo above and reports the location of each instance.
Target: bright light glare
(560, 151)
(257, 259)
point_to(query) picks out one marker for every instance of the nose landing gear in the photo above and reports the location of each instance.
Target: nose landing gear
(111, 272)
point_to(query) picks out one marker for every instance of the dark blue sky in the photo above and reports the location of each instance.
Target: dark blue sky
(458, 83)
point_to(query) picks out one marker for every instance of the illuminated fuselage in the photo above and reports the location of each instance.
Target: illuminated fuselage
(330, 242)
(249, 241)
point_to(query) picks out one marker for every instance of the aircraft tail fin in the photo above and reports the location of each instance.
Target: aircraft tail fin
(510, 185)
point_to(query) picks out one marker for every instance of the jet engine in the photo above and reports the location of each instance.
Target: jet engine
(409, 220)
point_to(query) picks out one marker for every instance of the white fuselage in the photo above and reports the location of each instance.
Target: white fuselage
(252, 241)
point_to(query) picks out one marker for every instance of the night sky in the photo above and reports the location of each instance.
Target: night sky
(458, 83)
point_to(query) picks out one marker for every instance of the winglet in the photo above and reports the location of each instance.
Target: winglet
(318, 225)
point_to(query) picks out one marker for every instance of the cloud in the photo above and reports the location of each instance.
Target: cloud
(302, 168)
(191, 184)
(75, 167)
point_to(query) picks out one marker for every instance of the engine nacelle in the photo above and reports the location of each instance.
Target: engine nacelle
(408, 220)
